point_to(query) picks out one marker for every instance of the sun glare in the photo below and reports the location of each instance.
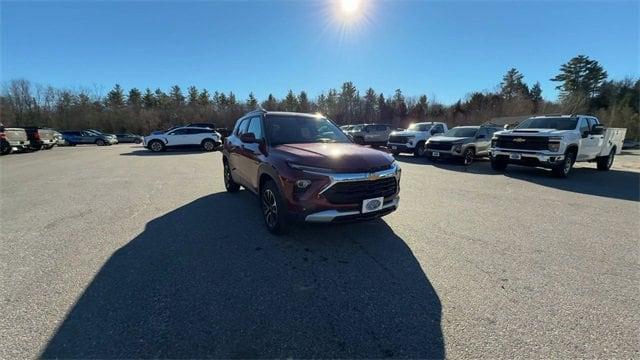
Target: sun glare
(349, 7)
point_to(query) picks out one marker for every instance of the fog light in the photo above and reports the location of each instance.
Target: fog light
(303, 184)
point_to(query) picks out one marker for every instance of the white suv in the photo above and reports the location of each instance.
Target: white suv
(185, 136)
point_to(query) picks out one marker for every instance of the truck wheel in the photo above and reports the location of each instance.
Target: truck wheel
(498, 164)
(5, 148)
(229, 184)
(100, 142)
(605, 162)
(420, 149)
(156, 146)
(468, 156)
(208, 145)
(563, 169)
(273, 209)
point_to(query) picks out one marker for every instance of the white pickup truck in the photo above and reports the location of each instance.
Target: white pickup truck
(413, 139)
(557, 142)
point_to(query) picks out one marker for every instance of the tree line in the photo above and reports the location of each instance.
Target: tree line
(582, 82)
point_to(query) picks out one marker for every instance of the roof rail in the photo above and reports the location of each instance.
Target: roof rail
(260, 111)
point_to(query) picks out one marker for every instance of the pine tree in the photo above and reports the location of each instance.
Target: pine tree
(193, 95)
(177, 99)
(135, 98)
(148, 100)
(271, 104)
(290, 102)
(252, 103)
(399, 105)
(115, 97)
(369, 110)
(203, 98)
(536, 96)
(580, 76)
(512, 85)
(303, 103)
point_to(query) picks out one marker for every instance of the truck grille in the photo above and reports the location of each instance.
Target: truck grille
(398, 139)
(356, 191)
(434, 145)
(523, 142)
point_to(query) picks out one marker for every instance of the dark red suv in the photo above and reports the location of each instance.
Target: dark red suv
(304, 167)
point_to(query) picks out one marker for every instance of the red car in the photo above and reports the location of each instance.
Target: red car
(304, 167)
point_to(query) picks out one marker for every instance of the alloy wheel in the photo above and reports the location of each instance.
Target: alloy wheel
(208, 145)
(269, 208)
(156, 146)
(468, 157)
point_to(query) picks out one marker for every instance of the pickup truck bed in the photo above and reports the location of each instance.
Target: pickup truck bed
(613, 137)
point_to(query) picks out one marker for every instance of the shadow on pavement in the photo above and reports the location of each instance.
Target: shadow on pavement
(206, 280)
(615, 183)
(145, 152)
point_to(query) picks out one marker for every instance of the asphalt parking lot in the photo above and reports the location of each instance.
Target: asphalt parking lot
(116, 252)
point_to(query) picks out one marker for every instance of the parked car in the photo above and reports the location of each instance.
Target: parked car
(557, 142)
(113, 139)
(413, 139)
(13, 139)
(181, 137)
(129, 138)
(303, 167)
(462, 143)
(75, 137)
(59, 138)
(40, 138)
(371, 134)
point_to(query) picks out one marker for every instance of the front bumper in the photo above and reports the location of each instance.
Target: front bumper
(528, 158)
(333, 215)
(407, 147)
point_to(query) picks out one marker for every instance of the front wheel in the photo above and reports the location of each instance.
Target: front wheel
(563, 168)
(498, 164)
(468, 156)
(208, 145)
(5, 148)
(605, 162)
(273, 209)
(100, 142)
(156, 146)
(420, 149)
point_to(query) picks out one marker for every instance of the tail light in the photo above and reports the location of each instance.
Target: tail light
(36, 135)
(3, 136)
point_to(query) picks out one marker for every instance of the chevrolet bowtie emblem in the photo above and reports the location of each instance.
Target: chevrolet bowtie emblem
(519, 140)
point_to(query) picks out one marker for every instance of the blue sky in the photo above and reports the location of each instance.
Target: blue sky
(444, 49)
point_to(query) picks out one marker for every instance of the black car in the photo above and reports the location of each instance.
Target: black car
(128, 137)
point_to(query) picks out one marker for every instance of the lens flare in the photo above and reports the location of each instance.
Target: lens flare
(349, 7)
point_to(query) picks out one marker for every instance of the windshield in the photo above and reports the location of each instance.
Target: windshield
(549, 123)
(420, 127)
(461, 132)
(302, 129)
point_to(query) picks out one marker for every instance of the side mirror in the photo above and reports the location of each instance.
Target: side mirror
(248, 138)
(597, 129)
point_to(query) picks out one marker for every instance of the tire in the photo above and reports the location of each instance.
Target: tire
(563, 169)
(498, 164)
(156, 146)
(5, 148)
(100, 142)
(605, 162)
(48, 147)
(420, 149)
(208, 145)
(468, 156)
(229, 184)
(273, 209)
(137, 141)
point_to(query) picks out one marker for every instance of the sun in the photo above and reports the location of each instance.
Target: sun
(349, 7)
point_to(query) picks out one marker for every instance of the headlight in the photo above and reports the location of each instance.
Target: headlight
(554, 146)
(312, 169)
(457, 148)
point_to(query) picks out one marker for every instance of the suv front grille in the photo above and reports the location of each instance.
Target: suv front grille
(436, 145)
(354, 192)
(523, 142)
(398, 139)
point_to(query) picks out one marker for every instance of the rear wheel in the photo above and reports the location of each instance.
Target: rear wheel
(229, 184)
(100, 142)
(468, 156)
(563, 168)
(605, 162)
(5, 148)
(137, 141)
(273, 209)
(156, 146)
(420, 149)
(498, 164)
(208, 145)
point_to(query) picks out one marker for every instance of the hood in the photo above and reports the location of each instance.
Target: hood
(450, 139)
(533, 132)
(340, 157)
(407, 133)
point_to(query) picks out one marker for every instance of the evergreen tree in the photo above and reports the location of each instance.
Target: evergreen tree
(252, 103)
(271, 104)
(580, 76)
(536, 96)
(399, 105)
(203, 98)
(512, 85)
(369, 108)
(115, 97)
(177, 99)
(134, 99)
(148, 100)
(290, 102)
(303, 103)
(193, 95)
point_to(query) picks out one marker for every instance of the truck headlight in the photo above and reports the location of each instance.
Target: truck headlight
(554, 146)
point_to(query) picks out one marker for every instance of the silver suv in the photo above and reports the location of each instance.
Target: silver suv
(462, 142)
(371, 134)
